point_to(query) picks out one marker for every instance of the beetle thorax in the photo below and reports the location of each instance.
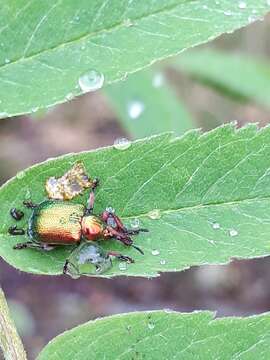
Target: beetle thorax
(92, 227)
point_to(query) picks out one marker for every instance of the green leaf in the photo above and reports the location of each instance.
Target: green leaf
(237, 76)
(212, 191)
(164, 335)
(146, 105)
(46, 46)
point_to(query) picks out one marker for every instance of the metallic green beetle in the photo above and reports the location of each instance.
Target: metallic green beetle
(55, 223)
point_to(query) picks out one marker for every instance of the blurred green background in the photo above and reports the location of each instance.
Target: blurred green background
(199, 89)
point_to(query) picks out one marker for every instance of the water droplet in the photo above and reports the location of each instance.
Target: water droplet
(121, 144)
(252, 18)
(167, 310)
(158, 80)
(151, 325)
(122, 266)
(135, 223)
(228, 13)
(34, 109)
(205, 7)
(242, 5)
(7, 61)
(3, 115)
(233, 232)
(155, 252)
(162, 262)
(69, 96)
(216, 226)
(135, 109)
(128, 23)
(83, 47)
(74, 276)
(20, 175)
(110, 209)
(90, 81)
(154, 214)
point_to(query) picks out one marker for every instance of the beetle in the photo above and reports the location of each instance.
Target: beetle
(55, 223)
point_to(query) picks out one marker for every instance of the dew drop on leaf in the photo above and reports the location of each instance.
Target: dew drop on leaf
(154, 214)
(162, 262)
(155, 252)
(228, 13)
(121, 144)
(233, 232)
(3, 115)
(242, 5)
(122, 266)
(135, 109)
(151, 325)
(216, 226)
(135, 223)
(91, 80)
(20, 175)
(69, 96)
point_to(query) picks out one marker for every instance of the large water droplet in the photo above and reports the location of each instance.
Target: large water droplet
(7, 61)
(233, 232)
(135, 223)
(155, 252)
(121, 144)
(90, 81)
(122, 266)
(135, 109)
(242, 5)
(154, 214)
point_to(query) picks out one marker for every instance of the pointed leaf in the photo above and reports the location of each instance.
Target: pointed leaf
(45, 47)
(212, 191)
(164, 335)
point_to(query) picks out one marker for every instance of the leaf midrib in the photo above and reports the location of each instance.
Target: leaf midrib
(93, 34)
(199, 206)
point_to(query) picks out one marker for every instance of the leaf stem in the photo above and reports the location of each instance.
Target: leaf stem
(10, 341)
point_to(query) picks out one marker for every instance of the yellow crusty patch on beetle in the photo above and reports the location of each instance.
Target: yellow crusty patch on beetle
(71, 184)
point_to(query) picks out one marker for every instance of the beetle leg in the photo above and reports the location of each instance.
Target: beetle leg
(16, 214)
(29, 204)
(135, 232)
(13, 230)
(91, 200)
(124, 238)
(121, 257)
(32, 245)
